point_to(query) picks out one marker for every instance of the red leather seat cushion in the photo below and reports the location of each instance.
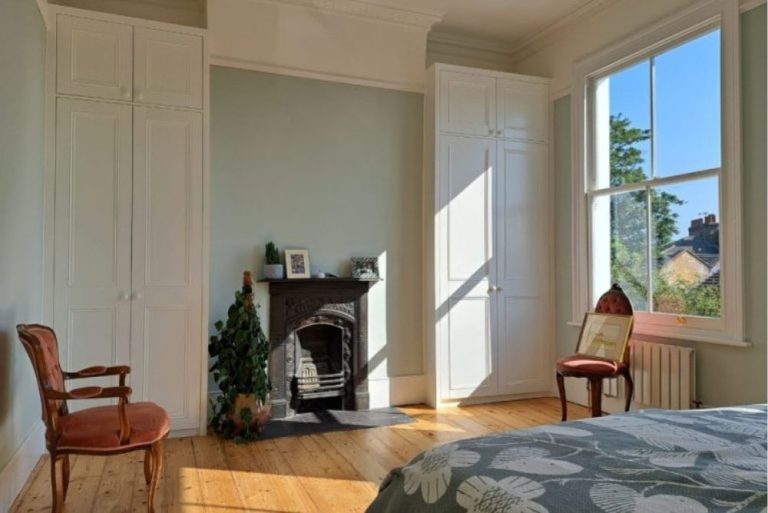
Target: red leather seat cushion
(586, 366)
(99, 428)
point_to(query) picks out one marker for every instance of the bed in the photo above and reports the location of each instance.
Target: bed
(651, 461)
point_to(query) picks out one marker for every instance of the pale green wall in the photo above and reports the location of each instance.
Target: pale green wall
(22, 47)
(724, 375)
(330, 167)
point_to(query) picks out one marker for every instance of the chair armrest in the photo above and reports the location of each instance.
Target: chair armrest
(121, 392)
(99, 370)
(89, 393)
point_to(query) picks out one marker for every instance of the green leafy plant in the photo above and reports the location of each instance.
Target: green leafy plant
(241, 352)
(273, 256)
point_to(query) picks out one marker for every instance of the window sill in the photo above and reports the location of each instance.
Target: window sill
(720, 339)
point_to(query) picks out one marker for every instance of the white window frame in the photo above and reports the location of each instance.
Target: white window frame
(673, 31)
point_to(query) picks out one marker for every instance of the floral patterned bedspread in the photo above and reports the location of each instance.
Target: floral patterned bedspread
(651, 461)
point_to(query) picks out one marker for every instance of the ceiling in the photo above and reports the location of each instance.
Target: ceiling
(505, 23)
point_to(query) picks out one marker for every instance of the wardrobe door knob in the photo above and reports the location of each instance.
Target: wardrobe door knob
(137, 296)
(123, 296)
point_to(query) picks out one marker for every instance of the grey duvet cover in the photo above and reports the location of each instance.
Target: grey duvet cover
(652, 461)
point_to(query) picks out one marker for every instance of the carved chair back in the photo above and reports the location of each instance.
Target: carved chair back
(43, 349)
(616, 302)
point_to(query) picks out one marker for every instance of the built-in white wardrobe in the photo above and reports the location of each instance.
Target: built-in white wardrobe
(488, 255)
(127, 279)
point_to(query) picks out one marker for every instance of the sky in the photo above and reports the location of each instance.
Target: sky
(687, 118)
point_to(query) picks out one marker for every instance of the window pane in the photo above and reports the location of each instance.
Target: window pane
(686, 239)
(627, 247)
(687, 115)
(627, 124)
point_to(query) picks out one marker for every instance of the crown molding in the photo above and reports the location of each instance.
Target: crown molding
(370, 10)
(748, 5)
(537, 39)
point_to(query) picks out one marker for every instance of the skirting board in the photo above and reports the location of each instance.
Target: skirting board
(18, 469)
(397, 391)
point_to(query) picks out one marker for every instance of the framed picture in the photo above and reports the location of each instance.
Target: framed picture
(604, 335)
(297, 263)
(365, 268)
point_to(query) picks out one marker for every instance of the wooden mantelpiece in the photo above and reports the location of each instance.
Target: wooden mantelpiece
(294, 302)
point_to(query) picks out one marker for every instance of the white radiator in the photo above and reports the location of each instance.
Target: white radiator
(664, 376)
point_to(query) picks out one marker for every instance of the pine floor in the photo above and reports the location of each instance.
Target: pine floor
(327, 473)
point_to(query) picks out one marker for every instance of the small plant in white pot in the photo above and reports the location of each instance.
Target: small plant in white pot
(241, 350)
(273, 269)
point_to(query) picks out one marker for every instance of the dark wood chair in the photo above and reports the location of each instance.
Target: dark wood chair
(103, 430)
(597, 369)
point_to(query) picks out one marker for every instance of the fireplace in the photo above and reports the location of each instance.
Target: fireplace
(319, 345)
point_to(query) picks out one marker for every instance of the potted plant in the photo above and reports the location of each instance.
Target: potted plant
(241, 351)
(273, 269)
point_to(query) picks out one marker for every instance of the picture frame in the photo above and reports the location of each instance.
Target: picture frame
(604, 335)
(365, 268)
(297, 263)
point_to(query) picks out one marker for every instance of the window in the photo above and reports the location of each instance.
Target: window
(658, 208)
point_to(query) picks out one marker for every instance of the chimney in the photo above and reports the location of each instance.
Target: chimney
(696, 225)
(710, 219)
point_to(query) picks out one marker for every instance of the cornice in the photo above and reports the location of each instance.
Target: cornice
(448, 39)
(370, 10)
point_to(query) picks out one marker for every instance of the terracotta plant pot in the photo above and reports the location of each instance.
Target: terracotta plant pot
(260, 413)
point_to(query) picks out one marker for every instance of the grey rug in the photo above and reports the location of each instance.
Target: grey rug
(324, 421)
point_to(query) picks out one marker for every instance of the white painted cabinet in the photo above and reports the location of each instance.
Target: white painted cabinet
(94, 58)
(488, 305)
(92, 312)
(128, 189)
(467, 103)
(467, 181)
(168, 68)
(166, 272)
(117, 61)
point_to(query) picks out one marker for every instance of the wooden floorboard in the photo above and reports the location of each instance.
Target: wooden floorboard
(331, 472)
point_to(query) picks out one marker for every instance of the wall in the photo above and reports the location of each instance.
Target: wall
(331, 167)
(725, 375)
(21, 217)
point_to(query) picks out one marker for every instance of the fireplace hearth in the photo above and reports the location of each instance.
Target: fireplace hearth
(319, 345)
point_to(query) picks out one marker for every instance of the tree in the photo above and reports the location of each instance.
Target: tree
(629, 252)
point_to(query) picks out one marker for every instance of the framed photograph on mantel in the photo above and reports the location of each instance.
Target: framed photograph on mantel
(365, 268)
(297, 263)
(604, 335)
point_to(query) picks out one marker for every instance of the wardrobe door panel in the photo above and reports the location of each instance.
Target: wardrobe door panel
(523, 110)
(94, 58)
(466, 268)
(92, 235)
(523, 263)
(167, 261)
(467, 104)
(168, 68)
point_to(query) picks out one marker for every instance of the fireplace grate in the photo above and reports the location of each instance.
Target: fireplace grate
(315, 380)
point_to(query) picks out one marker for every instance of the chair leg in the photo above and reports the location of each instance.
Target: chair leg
(148, 466)
(596, 393)
(563, 402)
(65, 475)
(629, 389)
(57, 488)
(157, 467)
